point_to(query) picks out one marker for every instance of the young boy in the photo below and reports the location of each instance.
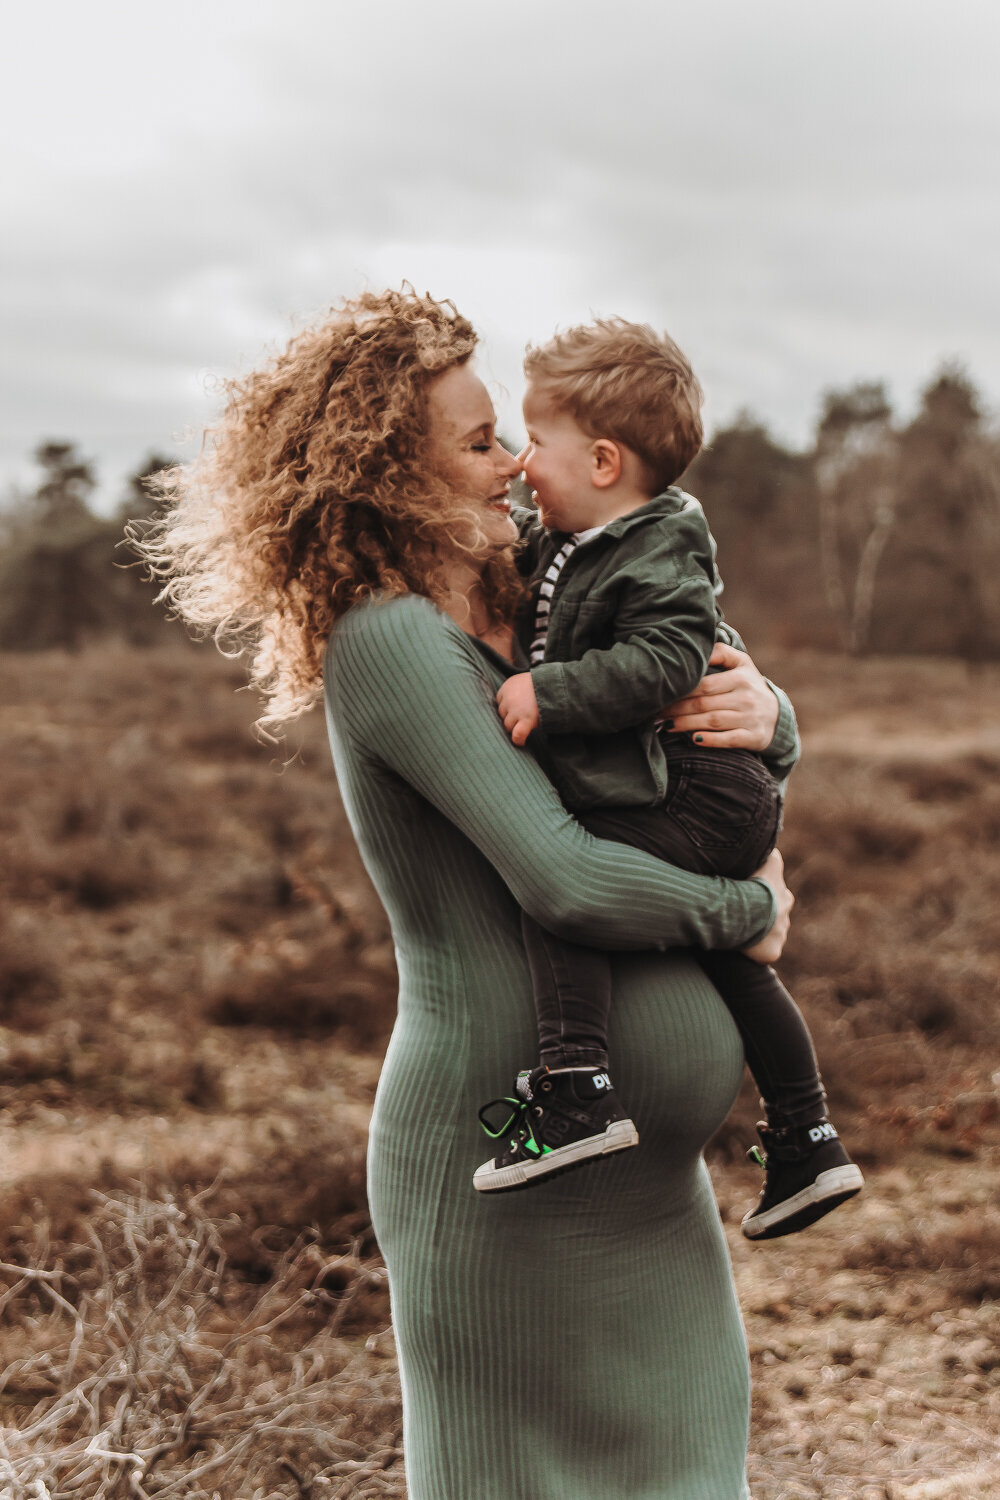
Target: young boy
(623, 621)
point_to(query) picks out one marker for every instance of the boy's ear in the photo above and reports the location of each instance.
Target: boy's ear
(606, 463)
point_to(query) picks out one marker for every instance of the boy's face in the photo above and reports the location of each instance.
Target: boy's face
(558, 464)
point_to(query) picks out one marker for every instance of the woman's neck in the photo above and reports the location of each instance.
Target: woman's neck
(466, 604)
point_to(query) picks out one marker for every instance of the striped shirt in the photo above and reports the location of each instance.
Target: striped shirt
(547, 588)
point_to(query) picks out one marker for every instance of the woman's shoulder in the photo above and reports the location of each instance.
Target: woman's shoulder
(381, 612)
(392, 657)
(397, 629)
(382, 618)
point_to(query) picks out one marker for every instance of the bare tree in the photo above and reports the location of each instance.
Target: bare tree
(856, 473)
(983, 467)
(67, 482)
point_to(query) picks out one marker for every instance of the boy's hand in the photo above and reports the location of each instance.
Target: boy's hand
(518, 706)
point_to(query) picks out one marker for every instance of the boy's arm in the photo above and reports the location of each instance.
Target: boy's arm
(665, 631)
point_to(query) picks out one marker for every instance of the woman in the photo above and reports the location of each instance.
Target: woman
(585, 1343)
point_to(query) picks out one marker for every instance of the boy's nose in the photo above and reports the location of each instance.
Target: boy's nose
(522, 458)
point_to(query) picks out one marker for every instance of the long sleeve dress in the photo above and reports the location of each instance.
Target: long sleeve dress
(579, 1340)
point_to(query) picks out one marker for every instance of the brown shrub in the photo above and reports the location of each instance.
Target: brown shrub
(936, 781)
(145, 1357)
(29, 976)
(966, 1255)
(183, 878)
(323, 992)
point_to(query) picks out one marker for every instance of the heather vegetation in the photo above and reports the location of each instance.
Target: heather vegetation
(197, 982)
(64, 574)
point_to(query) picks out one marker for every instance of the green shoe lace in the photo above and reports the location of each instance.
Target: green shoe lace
(518, 1124)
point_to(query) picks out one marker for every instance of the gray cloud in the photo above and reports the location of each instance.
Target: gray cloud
(803, 194)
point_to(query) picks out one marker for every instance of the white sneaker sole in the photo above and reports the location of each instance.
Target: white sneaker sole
(838, 1184)
(619, 1135)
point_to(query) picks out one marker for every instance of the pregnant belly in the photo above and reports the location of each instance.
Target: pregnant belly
(676, 1061)
(676, 1056)
(580, 1338)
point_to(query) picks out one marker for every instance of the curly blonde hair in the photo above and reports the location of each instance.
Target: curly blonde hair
(315, 490)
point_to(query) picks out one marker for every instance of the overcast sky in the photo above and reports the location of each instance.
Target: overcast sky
(804, 192)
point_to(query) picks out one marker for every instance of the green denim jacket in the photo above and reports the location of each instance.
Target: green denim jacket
(632, 624)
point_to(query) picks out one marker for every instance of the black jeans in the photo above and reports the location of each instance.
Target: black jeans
(721, 816)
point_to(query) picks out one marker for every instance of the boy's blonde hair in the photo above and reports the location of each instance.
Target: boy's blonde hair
(625, 381)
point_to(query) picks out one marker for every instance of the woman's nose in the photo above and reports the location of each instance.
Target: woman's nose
(522, 458)
(512, 463)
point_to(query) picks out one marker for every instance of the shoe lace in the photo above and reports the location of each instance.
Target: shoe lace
(517, 1120)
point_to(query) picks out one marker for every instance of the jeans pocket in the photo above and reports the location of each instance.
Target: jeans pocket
(728, 805)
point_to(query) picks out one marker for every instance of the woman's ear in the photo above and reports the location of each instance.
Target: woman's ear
(606, 463)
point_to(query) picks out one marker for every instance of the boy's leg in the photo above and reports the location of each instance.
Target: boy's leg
(776, 1040)
(722, 816)
(572, 989)
(565, 1112)
(808, 1172)
(572, 983)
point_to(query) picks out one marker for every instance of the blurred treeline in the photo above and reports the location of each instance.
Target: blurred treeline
(67, 575)
(882, 536)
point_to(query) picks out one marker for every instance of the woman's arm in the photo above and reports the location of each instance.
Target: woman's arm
(406, 686)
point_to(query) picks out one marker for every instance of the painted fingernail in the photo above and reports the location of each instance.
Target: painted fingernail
(668, 723)
(698, 739)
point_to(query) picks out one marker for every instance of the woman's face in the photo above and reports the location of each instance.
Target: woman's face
(465, 450)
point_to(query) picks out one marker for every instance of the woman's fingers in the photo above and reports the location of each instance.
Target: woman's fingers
(729, 717)
(732, 687)
(724, 655)
(768, 949)
(720, 684)
(735, 701)
(725, 739)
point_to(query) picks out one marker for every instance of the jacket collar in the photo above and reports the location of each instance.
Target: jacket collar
(669, 503)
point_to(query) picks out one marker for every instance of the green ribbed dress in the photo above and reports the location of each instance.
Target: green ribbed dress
(579, 1340)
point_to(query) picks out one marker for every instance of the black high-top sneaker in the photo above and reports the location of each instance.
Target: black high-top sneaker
(553, 1122)
(807, 1173)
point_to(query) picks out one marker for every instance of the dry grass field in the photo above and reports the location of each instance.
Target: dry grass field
(195, 984)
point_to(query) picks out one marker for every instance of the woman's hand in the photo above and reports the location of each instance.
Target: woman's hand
(768, 949)
(733, 708)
